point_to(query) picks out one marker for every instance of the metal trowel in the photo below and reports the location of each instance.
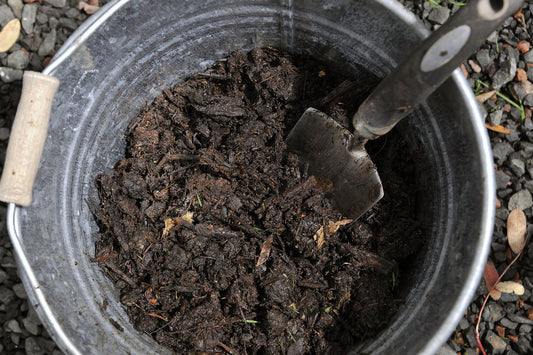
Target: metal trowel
(338, 159)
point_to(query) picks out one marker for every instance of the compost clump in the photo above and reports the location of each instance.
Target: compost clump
(217, 238)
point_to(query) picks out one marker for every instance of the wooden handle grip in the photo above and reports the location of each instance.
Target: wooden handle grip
(27, 138)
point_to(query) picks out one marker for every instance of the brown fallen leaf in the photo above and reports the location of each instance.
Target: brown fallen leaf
(499, 129)
(88, 8)
(516, 230)
(9, 35)
(510, 287)
(327, 231)
(490, 274)
(31, 1)
(265, 251)
(481, 98)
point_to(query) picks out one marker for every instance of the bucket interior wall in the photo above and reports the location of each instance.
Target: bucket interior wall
(120, 60)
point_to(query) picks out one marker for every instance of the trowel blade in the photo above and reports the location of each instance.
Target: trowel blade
(345, 173)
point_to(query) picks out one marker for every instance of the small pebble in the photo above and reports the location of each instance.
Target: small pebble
(507, 323)
(16, 6)
(439, 15)
(32, 347)
(6, 296)
(20, 291)
(18, 60)
(493, 312)
(68, 23)
(525, 328)
(47, 46)
(521, 200)
(56, 3)
(501, 150)
(42, 19)
(517, 166)
(6, 15)
(29, 12)
(504, 75)
(495, 118)
(15, 338)
(498, 344)
(13, 326)
(520, 319)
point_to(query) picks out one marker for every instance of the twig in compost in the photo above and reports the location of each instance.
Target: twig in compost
(120, 274)
(225, 347)
(157, 316)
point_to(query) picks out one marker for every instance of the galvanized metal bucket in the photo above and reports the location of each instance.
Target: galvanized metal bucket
(128, 52)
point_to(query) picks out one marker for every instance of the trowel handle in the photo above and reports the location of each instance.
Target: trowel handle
(431, 63)
(27, 138)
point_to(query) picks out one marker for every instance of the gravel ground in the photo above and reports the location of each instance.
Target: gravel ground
(501, 63)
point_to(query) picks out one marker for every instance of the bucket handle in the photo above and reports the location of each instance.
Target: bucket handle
(28, 135)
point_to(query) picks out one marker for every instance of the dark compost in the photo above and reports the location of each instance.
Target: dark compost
(220, 243)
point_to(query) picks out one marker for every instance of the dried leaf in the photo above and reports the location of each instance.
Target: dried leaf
(516, 230)
(499, 129)
(9, 35)
(187, 217)
(88, 8)
(265, 251)
(490, 274)
(481, 98)
(510, 287)
(174, 222)
(495, 294)
(327, 231)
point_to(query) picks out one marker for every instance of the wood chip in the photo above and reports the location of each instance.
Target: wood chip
(9, 35)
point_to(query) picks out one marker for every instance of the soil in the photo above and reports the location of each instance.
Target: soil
(220, 243)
